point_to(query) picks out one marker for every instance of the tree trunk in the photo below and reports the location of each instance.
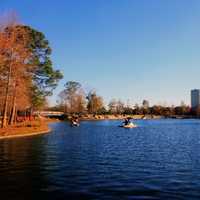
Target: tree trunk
(13, 112)
(4, 119)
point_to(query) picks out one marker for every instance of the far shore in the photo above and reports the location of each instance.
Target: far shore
(134, 117)
(116, 117)
(96, 117)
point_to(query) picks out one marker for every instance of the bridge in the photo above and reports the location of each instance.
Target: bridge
(53, 114)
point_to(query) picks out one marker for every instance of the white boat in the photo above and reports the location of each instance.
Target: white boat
(75, 124)
(130, 125)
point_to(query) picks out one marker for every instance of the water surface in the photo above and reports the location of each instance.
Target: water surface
(98, 160)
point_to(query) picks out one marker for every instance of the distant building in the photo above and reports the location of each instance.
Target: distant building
(145, 104)
(195, 98)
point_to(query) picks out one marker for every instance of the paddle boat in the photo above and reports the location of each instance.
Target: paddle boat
(75, 121)
(128, 124)
(74, 124)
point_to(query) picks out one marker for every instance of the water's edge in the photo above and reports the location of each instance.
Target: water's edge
(25, 135)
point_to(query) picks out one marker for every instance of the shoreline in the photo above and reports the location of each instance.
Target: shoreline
(17, 132)
(24, 135)
(90, 117)
(27, 131)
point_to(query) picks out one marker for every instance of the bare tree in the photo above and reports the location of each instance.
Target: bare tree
(116, 106)
(95, 102)
(73, 98)
(14, 56)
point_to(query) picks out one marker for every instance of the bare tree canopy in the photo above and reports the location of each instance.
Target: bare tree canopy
(73, 98)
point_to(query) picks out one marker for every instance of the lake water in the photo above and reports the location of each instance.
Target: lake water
(98, 160)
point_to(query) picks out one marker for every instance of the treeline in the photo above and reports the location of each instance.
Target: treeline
(74, 100)
(27, 76)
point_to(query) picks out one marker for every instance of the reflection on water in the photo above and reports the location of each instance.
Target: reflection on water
(98, 160)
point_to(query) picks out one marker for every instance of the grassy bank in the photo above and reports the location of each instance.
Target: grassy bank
(24, 129)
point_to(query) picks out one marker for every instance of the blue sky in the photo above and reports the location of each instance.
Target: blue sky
(127, 49)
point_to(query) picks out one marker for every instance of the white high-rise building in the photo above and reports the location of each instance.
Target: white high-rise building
(195, 98)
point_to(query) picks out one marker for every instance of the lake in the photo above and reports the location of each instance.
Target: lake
(98, 160)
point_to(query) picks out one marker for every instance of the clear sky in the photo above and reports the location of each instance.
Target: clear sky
(127, 49)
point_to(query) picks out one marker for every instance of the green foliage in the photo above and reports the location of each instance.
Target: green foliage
(72, 87)
(45, 78)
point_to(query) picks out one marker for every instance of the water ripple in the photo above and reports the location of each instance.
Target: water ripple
(158, 160)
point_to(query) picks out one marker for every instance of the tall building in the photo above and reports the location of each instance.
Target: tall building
(195, 98)
(145, 104)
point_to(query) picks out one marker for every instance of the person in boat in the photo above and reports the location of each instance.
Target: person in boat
(72, 120)
(126, 121)
(75, 121)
